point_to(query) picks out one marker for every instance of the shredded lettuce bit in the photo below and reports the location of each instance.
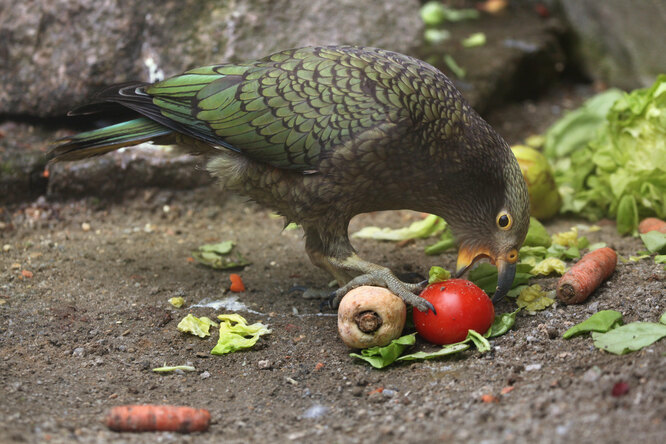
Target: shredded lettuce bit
(221, 256)
(171, 368)
(548, 266)
(236, 334)
(438, 274)
(196, 326)
(533, 298)
(177, 302)
(426, 227)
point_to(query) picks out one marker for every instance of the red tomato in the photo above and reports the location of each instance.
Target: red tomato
(460, 306)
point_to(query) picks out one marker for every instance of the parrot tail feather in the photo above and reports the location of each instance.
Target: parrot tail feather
(107, 139)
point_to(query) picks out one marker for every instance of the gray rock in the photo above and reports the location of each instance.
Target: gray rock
(618, 41)
(55, 53)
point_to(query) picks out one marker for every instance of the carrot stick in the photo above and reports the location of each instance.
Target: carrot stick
(586, 275)
(651, 224)
(163, 418)
(237, 285)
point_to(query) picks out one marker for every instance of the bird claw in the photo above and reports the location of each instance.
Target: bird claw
(406, 292)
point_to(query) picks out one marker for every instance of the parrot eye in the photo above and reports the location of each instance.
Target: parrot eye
(504, 221)
(512, 257)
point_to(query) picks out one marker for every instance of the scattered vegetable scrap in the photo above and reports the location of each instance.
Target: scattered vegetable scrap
(652, 224)
(237, 285)
(219, 256)
(602, 321)
(27, 274)
(610, 335)
(429, 226)
(173, 368)
(488, 398)
(196, 326)
(177, 301)
(236, 334)
(533, 298)
(370, 316)
(620, 388)
(153, 418)
(586, 275)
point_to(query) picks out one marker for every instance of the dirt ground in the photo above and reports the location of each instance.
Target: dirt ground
(83, 333)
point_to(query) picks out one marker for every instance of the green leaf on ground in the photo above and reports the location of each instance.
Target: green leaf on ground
(236, 334)
(601, 322)
(502, 324)
(380, 357)
(630, 337)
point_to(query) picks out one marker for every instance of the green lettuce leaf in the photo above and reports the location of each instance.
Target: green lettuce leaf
(502, 324)
(620, 170)
(236, 334)
(380, 357)
(220, 256)
(196, 326)
(654, 241)
(420, 229)
(601, 322)
(630, 337)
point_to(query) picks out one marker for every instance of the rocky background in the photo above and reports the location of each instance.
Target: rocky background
(55, 54)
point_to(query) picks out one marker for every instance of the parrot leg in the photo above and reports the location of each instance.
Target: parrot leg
(373, 274)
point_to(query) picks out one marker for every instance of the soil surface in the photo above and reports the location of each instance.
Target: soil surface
(84, 325)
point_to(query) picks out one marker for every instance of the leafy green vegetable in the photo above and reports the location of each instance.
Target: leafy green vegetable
(177, 301)
(476, 39)
(219, 256)
(196, 326)
(630, 337)
(444, 351)
(537, 235)
(601, 322)
(533, 298)
(166, 369)
(548, 266)
(573, 131)
(481, 343)
(662, 319)
(654, 241)
(380, 357)
(438, 274)
(236, 334)
(485, 276)
(660, 259)
(426, 227)
(619, 172)
(446, 242)
(502, 324)
(456, 69)
(436, 13)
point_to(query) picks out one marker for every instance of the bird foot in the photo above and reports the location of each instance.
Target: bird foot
(383, 277)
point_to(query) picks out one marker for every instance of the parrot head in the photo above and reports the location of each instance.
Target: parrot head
(489, 214)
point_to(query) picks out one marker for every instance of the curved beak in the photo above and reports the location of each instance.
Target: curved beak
(468, 255)
(506, 271)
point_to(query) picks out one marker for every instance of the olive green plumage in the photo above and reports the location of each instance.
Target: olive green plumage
(324, 133)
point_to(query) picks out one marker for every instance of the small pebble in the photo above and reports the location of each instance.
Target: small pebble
(79, 352)
(85, 226)
(531, 367)
(264, 364)
(205, 375)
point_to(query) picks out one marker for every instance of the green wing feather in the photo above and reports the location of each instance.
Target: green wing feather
(287, 110)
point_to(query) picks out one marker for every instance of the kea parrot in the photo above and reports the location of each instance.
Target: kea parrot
(321, 134)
